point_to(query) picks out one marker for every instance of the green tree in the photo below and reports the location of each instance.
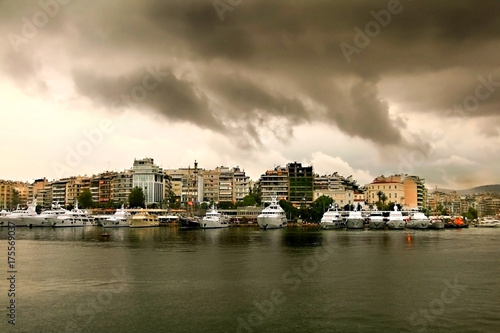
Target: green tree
(85, 199)
(136, 198)
(291, 212)
(470, 214)
(248, 200)
(16, 200)
(256, 193)
(226, 205)
(319, 206)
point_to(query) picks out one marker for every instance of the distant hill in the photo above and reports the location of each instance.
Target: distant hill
(478, 189)
(482, 189)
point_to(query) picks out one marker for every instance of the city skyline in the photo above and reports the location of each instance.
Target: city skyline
(364, 89)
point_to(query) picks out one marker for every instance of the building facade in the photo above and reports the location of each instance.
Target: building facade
(149, 177)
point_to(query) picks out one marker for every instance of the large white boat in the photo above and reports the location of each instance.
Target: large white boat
(354, 220)
(331, 219)
(46, 218)
(418, 220)
(488, 222)
(143, 220)
(376, 220)
(272, 217)
(17, 216)
(119, 219)
(74, 218)
(395, 220)
(213, 219)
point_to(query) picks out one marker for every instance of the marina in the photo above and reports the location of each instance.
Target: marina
(154, 279)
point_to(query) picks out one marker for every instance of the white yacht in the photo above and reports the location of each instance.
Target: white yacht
(272, 217)
(17, 216)
(331, 219)
(488, 222)
(418, 220)
(376, 220)
(74, 218)
(46, 218)
(395, 220)
(143, 220)
(119, 219)
(213, 219)
(355, 220)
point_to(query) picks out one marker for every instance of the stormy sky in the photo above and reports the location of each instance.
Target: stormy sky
(363, 88)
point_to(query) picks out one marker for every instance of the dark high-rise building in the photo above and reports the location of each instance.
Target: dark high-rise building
(300, 183)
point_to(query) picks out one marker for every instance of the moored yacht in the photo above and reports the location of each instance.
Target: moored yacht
(18, 216)
(488, 222)
(213, 219)
(376, 220)
(74, 218)
(418, 220)
(331, 219)
(47, 217)
(355, 220)
(119, 219)
(395, 219)
(272, 217)
(143, 219)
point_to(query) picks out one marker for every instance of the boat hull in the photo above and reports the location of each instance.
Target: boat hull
(330, 225)
(115, 224)
(38, 222)
(396, 224)
(208, 224)
(355, 223)
(418, 224)
(376, 225)
(436, 225)
(270, 222)
(187, 223)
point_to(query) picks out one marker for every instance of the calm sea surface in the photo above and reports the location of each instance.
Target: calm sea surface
(248, 280)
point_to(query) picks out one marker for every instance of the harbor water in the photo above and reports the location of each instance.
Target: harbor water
(249, 280)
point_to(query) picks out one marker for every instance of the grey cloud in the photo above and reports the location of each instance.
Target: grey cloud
(288, 42)
(171, 97)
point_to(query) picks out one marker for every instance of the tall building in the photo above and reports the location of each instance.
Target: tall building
(274, 183)
(301, 183)
(226, 184)
(149, 177)
(6, 194)
(59, 191)
(241, 184)
(122, 185)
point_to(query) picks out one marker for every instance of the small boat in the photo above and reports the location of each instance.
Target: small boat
(213, 219)
(272, 217)
(418, 220)
(143, 219)
(395, 220)
(189, 222)
(376, 220)
(436, 223)
(331, 219)
(488, 222)
(354, 220)
(456, 222)
(119, 219)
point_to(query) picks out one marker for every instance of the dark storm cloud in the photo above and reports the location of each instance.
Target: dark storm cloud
(152, 87)
(296, 45)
